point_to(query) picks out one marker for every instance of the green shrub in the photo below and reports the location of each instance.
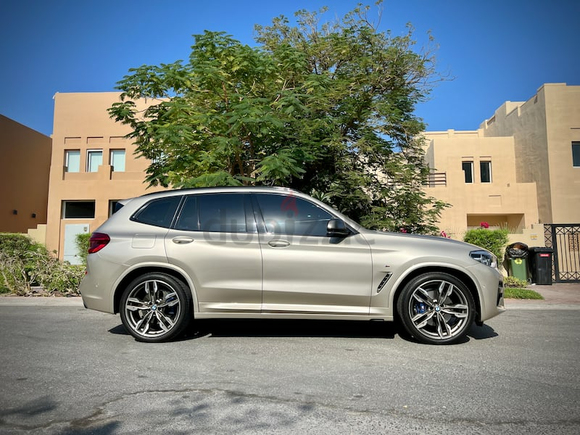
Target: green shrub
(82, 242)
(18, 268)
(492, 240)
(24, 263)
(513, 282)
(59, 277)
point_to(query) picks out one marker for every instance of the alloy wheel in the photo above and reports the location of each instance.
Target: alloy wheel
(152, 308)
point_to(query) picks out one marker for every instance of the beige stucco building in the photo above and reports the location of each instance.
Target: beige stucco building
(93, 166)
(478, 180)
(520, 168)
(546, 132)
(24, 171)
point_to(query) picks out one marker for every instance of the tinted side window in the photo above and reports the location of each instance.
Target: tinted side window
(293, 216)
(222, 212)
(158, 212)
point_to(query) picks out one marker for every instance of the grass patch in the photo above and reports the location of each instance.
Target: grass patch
(521, 293)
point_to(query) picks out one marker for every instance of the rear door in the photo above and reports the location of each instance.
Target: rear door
(215, 240)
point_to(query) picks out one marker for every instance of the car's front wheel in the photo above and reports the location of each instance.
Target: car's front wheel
(436, 308)
(156, 307)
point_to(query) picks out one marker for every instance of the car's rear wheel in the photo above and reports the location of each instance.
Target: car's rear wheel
(436, 308)
(156, 307)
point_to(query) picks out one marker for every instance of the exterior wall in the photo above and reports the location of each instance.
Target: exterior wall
(501, 202)
(81, 122)
(533, 236)
(543, 129)
(24, 169)
(563, 121)
(38, 234)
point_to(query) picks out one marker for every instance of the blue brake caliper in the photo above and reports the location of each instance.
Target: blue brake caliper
(419, 308)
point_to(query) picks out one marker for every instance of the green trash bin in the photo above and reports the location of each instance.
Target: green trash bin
(518, 268)
(516, 255)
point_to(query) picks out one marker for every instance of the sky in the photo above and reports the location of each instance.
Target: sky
(492, 51)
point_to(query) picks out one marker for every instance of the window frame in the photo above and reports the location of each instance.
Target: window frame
(89, 153)
(576, 154)
(488, 171)
(67, 154)
(470, 163)
(114, 206)
(111, 160)
(65, 202)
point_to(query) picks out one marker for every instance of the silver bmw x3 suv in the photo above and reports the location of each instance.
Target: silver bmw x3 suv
(165, 258)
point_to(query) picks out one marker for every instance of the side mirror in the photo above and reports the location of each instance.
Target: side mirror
(337, 228)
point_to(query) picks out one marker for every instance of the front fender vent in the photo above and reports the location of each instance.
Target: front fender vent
(384, 282)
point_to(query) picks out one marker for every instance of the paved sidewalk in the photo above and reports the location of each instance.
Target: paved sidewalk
(557, 296)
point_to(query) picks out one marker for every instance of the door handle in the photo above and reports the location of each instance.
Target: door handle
(182, 240)
(279, 243)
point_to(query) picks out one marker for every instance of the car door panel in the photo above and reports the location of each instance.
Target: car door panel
(317, 275)
(305, 271)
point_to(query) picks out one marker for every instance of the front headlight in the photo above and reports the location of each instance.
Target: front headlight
(484, 257)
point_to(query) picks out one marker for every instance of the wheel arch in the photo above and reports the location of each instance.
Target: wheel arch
(462, 276)
(126, 280)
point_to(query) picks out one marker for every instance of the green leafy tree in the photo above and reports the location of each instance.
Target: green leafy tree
(324, 108)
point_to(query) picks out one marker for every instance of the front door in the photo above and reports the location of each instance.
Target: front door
(71, 248)
(304, 270)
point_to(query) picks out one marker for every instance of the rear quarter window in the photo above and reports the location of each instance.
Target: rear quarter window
(158, 212)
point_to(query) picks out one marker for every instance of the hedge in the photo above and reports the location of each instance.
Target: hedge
(25, 263)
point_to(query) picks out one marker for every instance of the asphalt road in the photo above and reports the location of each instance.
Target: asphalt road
(64, 369)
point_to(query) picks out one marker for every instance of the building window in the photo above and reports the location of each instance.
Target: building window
(78, 209)
(94, 160)
(118, 160)
(72, 161)
(467, 171)
(485, 172)
(114, 206)
(576, 154)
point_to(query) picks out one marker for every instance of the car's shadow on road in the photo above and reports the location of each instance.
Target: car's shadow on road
(304, 328)
(293, 328)
(482, 332)
(283, 328)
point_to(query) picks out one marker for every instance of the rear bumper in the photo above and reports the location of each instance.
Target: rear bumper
(97, 285)
(93, 297)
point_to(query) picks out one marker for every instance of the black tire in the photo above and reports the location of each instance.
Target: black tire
(156, 307)
(436, 308)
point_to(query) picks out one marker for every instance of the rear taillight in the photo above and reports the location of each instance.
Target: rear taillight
(97, 242)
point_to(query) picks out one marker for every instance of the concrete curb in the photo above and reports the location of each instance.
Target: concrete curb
(39, 301)
(521, 304)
